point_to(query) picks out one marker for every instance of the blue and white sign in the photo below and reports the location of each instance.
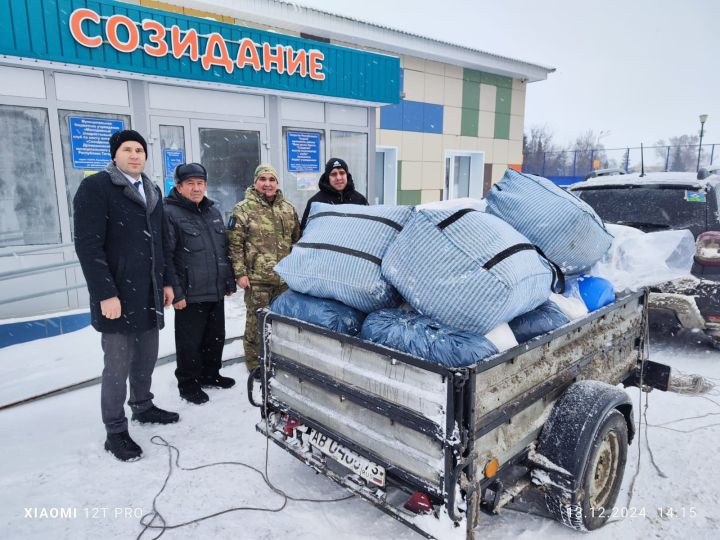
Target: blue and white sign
(89, 140)
(303, 151)
(172, 157)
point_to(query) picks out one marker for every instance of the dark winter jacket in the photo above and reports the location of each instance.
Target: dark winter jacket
(119, 242)
(197, 239)
(330, 195)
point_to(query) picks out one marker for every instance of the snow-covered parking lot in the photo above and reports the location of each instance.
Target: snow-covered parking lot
(57, 482)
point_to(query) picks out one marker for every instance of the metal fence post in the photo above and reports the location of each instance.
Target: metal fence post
(574, 161)
(543, 165)
(712, 153)
(667, 159)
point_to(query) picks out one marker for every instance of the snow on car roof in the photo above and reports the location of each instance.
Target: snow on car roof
(669, 178)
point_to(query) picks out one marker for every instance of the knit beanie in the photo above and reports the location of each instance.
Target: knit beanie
(119, 137)
(265, 168)
(335, 163)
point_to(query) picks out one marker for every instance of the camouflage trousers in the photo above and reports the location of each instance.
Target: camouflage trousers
(256, 297)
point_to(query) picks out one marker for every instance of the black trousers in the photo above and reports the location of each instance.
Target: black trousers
(199, 342)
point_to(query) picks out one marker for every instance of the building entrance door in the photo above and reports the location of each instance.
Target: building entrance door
(229, 151)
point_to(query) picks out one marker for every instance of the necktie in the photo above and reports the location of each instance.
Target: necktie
(137, 185)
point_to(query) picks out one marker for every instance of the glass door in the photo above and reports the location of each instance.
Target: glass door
(230, 152)
(457, 176)
(168, 138)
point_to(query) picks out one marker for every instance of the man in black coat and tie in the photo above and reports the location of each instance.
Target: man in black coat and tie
(119, 228)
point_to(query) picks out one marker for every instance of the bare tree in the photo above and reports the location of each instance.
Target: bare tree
(683, 152)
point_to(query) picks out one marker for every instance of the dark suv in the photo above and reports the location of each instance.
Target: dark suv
(660, 201)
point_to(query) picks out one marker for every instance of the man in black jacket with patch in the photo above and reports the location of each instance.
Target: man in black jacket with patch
(119, 228)
(198, 241)
(336, 187)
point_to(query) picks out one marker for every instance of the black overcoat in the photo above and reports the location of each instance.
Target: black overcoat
(119, 242)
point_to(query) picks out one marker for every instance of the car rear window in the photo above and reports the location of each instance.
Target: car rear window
(650, 208)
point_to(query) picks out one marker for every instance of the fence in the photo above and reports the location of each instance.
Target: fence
(568, 166)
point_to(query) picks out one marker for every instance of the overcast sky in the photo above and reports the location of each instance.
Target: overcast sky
(641, 70)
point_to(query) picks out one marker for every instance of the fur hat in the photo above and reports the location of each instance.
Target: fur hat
(184, 171)
(119, 137)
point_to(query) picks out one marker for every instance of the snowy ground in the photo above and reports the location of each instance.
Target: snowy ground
(52, 458)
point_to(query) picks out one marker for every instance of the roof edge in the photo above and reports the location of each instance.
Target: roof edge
(297, 18)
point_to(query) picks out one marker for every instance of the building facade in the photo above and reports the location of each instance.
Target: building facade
(231, 84)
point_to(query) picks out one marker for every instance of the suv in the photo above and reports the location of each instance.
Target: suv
(660, 201)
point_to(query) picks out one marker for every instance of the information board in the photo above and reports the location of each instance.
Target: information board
(89, 140)
(303, 151)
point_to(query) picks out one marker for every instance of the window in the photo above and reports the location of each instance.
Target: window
(464, 175)
(352, 147)
(95, 159)
(29, 212)
(385, 176)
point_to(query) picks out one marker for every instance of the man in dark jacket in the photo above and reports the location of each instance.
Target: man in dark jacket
(119, 228)
(336, 187)
(198, 240)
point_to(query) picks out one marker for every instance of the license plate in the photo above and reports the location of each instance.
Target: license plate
(372, 472)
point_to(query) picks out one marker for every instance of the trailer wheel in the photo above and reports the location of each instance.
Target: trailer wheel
(589, 506)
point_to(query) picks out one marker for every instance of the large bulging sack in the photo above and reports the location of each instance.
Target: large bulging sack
(321, 311)
(466, 269)
(418, 335)
(340, 254)
(567, 229)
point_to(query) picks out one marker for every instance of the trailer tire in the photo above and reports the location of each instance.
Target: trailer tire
(590, 506)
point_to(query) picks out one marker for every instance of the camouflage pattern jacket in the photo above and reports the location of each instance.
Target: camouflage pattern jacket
(260, 234)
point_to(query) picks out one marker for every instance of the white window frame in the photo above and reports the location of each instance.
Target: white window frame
(477, 173)
(390, 179)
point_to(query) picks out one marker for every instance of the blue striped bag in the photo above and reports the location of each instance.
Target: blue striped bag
(340, 254)
(567, 229)
(467, 269)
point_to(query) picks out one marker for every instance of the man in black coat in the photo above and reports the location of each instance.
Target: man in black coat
(336, 187)
(197, 239)
(119, 227)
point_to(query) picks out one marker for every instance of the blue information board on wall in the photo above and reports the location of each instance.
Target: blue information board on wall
(303, 149)
(89, 140)
(172, 157)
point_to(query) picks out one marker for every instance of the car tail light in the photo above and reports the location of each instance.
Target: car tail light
(707, 248)
(289, 424)
(419, 503)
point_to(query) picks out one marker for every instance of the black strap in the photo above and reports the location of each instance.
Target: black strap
(558, 284)
(345, 251)
(386, 221)
(454, 217)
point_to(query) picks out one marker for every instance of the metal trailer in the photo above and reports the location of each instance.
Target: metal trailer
(543, 427)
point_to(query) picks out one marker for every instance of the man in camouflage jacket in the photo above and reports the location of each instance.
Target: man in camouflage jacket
(261, 230)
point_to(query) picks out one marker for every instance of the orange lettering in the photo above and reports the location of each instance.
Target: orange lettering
(157, 37)
(76, 19)
(111, 30)
(247, 54)
(297, 61)
(216, 42)
(270, 58)
(180, 45)
(316, 58)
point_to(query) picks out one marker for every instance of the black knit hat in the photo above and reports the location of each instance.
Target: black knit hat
(335, 163)
(185, 171)
(119, 137)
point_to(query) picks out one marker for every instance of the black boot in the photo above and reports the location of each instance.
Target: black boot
(198, 397)
(155, 415)
(216, 381)
(122, 446)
